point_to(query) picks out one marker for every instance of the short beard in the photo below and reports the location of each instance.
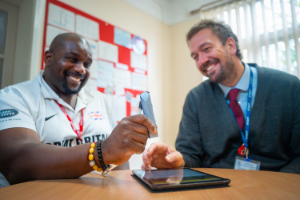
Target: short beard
(226, 72)
(68, 90)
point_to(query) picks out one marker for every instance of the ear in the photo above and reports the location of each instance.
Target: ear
(231, 46)
(48, 56)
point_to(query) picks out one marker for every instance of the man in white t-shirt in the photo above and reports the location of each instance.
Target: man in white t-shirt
(41, 117)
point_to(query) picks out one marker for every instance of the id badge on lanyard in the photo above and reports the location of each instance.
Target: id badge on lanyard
(244, 161)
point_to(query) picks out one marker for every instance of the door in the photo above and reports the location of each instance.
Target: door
(8, 35)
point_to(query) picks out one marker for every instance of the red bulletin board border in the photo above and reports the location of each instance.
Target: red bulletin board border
(106, 32)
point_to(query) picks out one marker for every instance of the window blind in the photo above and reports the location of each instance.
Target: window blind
(268, 31)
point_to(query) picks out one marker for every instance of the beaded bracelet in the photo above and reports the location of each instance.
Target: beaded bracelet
(91, 158)
(103, 166)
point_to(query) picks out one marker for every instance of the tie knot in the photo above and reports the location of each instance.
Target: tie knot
(232, 94)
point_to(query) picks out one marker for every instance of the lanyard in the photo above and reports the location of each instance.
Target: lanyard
(248, 112)
(71, 122)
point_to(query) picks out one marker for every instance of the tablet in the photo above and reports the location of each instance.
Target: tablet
(178, 178)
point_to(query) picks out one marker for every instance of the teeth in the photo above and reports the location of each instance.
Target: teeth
(75, 79)
(212, 66)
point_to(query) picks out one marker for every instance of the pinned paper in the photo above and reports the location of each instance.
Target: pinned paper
(87, 27)
(135, 101)
(122, 38)
(119, 90)
(121, 66)
(119, 107)
(108, 51)
(94, 46)
(61, 17)
(128, 96)
(105, 74)
(139, 82)
(138, 61)
(52, 32)
(138, 45)
(122, 78)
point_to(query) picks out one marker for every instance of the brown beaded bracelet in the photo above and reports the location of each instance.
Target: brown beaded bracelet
(103, 166)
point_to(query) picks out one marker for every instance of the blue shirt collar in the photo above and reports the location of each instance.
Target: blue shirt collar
(243, 83)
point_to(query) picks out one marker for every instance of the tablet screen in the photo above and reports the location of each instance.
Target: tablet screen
(171, 177)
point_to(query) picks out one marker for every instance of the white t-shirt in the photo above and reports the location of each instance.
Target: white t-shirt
(31, 105)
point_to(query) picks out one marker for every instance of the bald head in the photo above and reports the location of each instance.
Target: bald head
(59, 41)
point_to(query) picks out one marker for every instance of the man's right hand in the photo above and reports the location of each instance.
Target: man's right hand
(162, 156)
(128, 138)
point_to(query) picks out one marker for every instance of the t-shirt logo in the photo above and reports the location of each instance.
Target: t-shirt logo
(96, 115)
(8, 113)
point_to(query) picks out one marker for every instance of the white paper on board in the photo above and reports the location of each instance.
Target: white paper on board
(109, 99)
(92, 81)
(108, 51)
(52, 32)
(87, 27)
(61, 17)
(139, 71)
(119, 107)
(105, 74)
(94, 70)
(122, 78)
(128, 96)
(94, 46)
(122, 38)
(135, 105)
(139, 82)
(121, 66)
(138, 61)
(119, 90)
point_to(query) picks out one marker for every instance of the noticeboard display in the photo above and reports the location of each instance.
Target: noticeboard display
(119, 66)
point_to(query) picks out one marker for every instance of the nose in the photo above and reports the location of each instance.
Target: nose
(203, 59)
(79, 67)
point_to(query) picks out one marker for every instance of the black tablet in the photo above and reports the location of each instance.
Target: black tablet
(178, 178)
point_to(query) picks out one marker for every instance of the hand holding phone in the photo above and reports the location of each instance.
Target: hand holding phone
(146, 106)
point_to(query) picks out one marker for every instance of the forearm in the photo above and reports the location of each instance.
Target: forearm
(190, 161)
(35, 161)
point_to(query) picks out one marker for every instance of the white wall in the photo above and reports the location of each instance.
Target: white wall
(184, 76)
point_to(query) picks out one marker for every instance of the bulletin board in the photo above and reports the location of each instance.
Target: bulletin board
(119, 66)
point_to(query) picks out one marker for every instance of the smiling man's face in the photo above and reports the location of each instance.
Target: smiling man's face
(68, 66)
(213, 59)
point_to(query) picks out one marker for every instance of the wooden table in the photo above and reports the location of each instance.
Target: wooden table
(120, 185)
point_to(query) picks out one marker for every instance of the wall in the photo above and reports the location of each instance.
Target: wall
(184, 76)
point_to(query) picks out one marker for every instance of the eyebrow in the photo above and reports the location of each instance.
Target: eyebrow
(78, 55)
(73, 53)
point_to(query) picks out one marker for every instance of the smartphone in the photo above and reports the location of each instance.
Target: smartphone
(147, 108)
